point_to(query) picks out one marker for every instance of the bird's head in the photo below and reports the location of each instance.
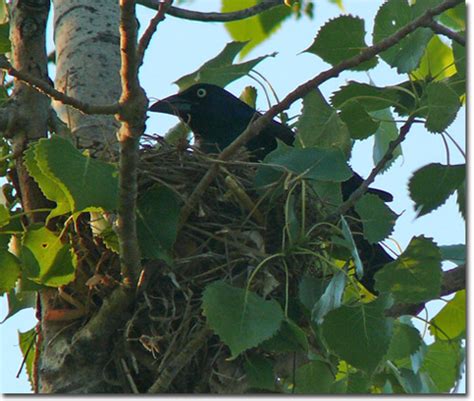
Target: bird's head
(215, 116)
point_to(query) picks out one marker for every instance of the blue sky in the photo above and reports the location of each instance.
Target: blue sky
(179, 47)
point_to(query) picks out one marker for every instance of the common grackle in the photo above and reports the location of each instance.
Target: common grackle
(217, 117)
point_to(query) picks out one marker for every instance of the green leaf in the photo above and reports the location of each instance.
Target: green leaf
(406, 54)
(419, 383)
(220, 70)
(19, 300)
(289, 338)
(346, 232)
(441, 363)
(45, 260)
(27, 341)
(358, 383)
(3, 11)
(454, 253)
(431, 185)
(341, 39)
(255, 29)
(443, 105)
(310, 290)
(5, 44)
(461, 199)
(320, 126)
(450, 322)
(371, 97)
(331, 299)
(48, 184)
(308, 163)
(9, 271)
(328, 193)
(292, 222)
(75, 182)
(406, 340)
(359, 334)
(415, 276)
(377, 218)
(459, 53)
(177, 134)
(157, 222)
(419, 7)
(437, 62)
(314, 377)
(259, 373)
(249, 96)
(241, 319)
(360, 123)
(386, 133)
(4, 216)
(455, 18)
(410, 94)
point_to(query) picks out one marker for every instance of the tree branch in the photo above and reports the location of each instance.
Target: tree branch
(181, 360)
(132, 117)
(213, 16)
(147, 35)
(442, 30)
(357, 194)
(260, 122)
(453, 280)
(46, 88)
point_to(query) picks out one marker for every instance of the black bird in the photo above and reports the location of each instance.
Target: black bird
(217, 117)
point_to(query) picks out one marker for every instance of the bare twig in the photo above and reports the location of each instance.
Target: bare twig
(147, 35)
(132, 118)
(180, 360)
(355, 196)
(46, 88)
(129, 377)
(442, 30)
(213, 16)
(259, 123)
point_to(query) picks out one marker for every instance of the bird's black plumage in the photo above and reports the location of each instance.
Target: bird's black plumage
(217, 117)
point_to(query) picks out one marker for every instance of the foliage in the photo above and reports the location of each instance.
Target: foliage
(301, 303)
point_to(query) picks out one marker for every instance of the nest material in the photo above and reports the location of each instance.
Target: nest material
(233, 230)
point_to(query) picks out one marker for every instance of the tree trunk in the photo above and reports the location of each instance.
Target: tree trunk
(75, 355)
(87, 45)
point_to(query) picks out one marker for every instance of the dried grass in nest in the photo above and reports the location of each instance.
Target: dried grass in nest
(224, 232)
(222, 240)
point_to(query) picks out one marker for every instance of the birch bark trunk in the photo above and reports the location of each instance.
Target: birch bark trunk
(75, 356)
(86, 37)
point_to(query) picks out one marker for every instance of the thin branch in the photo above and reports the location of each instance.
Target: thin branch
(453, 280)
(46, 88)
(128, 46)
(442, 30)
(132, 119)
(180, 360)
(147, 35)
(213, 16)
(362, 189)
(260, 122)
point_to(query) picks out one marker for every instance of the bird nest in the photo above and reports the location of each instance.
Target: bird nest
(235, 232)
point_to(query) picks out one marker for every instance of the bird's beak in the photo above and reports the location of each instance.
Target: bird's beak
(174, 105)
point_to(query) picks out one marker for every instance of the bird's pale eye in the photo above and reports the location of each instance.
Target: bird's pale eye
(201, 92)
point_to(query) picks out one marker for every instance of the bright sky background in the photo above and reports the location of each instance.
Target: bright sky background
(179, 47)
